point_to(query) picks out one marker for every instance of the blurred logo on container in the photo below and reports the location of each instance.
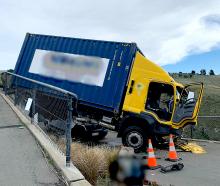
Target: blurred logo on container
(72, 67)
(74, 64)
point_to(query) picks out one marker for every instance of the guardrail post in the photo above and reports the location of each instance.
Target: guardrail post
(16, 92)
(6, 84)
(33, 104)
(68, 130)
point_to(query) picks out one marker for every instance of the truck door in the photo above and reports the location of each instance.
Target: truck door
(188, 105)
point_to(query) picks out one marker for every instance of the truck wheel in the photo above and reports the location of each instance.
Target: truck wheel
(79, 133)
(134, 137)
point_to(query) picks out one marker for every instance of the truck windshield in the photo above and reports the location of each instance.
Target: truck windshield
(160, 100)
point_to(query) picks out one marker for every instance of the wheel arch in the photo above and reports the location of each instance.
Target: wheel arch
(139, 120)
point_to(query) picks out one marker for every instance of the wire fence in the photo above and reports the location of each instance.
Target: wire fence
(50, 108)
(208, 128)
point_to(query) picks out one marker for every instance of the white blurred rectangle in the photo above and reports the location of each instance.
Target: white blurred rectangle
(89, 70)
(28, 104)
(191, 95)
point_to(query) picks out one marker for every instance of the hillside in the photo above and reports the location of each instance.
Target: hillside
(208, 128)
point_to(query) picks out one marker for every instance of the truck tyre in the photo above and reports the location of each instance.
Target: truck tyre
(80, 133)
(134, 137)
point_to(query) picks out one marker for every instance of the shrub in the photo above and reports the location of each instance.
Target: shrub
(211, 72)
(93, 162)
(203, 72)
(193, 72)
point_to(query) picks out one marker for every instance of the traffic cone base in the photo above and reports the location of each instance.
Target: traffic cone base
(173, 160)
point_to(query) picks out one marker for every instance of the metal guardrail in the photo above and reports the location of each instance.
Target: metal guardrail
(70, 97)
(44, 84)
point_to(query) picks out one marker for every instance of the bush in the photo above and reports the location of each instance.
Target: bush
(185, 76)
(193, 72)
(203, 72)
(93, 162)
(211, 73)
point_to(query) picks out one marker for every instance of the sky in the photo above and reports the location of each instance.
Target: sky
(207, 60)
(174, 34)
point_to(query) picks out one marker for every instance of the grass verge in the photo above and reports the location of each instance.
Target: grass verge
(92, 161)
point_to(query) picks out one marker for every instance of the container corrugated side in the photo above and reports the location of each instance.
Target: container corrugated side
(107, 97)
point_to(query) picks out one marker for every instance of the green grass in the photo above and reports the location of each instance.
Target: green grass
(207, 128)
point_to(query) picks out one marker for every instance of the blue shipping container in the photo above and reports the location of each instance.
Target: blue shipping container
(97, 71)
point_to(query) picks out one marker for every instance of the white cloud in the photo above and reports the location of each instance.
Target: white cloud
(166, 31)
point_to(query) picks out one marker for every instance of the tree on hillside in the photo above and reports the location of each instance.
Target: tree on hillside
(203, 72)
(193, 72)
(10, 70)
(180, 74)
(211, 72)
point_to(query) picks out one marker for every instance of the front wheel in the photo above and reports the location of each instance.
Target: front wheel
(135, 137)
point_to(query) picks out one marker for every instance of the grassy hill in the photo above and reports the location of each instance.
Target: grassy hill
(208, 128)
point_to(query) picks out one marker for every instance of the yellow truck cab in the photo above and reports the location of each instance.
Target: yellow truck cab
(156, 105)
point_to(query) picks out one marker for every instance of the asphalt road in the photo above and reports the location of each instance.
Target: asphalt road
(199, 169)
(21, 160)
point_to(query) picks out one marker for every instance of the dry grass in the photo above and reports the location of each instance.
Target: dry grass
(93, 162)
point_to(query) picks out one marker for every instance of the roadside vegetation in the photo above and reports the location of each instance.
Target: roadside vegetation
(92, 160)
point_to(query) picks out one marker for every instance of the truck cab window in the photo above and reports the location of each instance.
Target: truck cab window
(160, 100)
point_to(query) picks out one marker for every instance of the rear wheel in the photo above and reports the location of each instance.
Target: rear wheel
(79, 132)
(134, 137)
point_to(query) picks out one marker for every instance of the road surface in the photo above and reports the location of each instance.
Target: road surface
(199, 170)
(21, 160)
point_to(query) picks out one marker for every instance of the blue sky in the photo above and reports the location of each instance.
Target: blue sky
(207, 60)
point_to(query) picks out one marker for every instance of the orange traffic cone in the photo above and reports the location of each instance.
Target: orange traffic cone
(151, 161)
(172, 156)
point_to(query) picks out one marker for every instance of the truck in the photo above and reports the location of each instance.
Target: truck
(118, 88)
